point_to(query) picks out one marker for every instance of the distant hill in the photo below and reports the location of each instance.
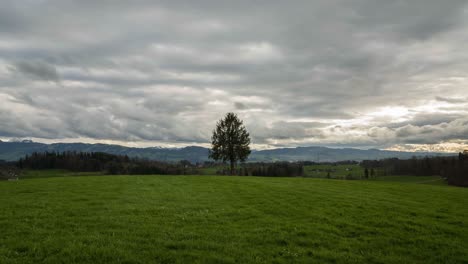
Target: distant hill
(14, 150)
(335, 154)
(11, 151)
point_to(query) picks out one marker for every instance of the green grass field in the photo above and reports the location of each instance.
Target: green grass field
(433, 180)
(216, 219)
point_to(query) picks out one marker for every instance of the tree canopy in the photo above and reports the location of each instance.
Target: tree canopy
(230, 141)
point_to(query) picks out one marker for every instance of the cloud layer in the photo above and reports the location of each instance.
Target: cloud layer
(360, 73)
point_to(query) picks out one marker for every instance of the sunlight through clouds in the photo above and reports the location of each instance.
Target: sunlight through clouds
(355, 74)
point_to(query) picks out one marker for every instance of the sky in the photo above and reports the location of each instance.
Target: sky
(350, 73)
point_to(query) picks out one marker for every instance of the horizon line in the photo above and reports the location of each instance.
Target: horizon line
(131, 144)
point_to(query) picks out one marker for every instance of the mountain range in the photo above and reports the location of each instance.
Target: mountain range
(11, 151)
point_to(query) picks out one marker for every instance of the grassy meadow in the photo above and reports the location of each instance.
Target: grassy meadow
(81, 218)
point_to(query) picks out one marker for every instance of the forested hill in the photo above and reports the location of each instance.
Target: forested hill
(11, 151)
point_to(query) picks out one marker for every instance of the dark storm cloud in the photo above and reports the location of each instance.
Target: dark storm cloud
(38, 69)
(354, 73)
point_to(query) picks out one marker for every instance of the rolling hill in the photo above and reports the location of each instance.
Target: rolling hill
(11, 151)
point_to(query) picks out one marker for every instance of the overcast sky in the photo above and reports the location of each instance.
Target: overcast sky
(354, 73)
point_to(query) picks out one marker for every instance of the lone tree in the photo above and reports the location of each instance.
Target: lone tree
(230, 141)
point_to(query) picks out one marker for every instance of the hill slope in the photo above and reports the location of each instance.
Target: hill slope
(14, 150)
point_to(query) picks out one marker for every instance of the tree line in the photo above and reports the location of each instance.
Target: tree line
(453, 169)
(98, 161)
(119, 164)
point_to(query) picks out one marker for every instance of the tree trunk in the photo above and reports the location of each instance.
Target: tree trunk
(232, 167)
